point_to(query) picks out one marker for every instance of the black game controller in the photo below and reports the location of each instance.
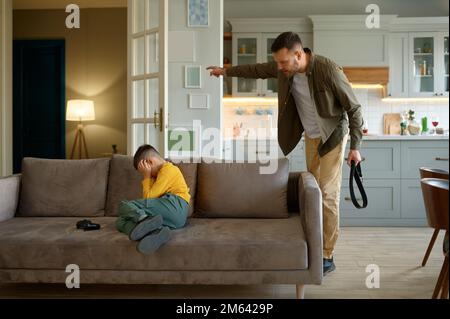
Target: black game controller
(87, 225)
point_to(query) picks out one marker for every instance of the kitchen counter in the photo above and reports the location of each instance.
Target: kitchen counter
(368, 138)
(405, 137)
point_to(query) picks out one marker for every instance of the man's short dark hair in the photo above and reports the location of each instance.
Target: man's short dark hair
(286, 40)
(144, 152)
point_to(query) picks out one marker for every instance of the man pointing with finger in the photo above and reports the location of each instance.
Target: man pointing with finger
(316, 98)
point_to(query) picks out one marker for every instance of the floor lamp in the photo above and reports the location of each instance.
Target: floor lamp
(79, 111)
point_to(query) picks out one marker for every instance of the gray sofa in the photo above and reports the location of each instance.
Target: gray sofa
(244, 227)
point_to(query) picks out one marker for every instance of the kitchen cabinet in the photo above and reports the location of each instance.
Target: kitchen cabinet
(346, 40)
(398, 65)
(252, 48)
(252, 42)
(381, 159)
(416, 154)
(297, 159)
(428, 70)
(392, 181)
(384, 200)
(412, 205)
(418, 58)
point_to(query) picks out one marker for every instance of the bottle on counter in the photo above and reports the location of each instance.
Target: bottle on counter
(424, 124)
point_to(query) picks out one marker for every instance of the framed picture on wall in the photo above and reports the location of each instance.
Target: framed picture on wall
(198, 101)
(198, 13)
(192, 77)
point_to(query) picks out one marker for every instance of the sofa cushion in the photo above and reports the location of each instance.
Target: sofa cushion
(125, 183)
(204, 244)
(240, 190)
(52, 188)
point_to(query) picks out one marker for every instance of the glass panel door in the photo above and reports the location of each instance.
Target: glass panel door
(247, 53)
(423, 65)
(271, 84)
(147, 37)
(446, 66)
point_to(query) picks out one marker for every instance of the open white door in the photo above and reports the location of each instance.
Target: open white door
(6, 90)
(147, 74)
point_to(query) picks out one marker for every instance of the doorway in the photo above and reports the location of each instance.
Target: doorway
(38, 100)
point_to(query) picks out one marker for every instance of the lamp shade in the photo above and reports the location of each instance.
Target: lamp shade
(80, 110)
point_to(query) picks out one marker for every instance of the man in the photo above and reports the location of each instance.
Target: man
(314, 97)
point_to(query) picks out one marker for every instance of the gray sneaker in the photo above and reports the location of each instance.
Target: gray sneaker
(146, 226)
(328, 266)
(154, 240)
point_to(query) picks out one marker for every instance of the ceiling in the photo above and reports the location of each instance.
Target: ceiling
(302, 8)
(61, 4)
(276, 8)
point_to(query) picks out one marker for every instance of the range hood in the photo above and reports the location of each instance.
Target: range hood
(368, 76)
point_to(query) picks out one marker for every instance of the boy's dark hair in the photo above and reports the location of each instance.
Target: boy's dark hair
(144, 152)
(286, 40)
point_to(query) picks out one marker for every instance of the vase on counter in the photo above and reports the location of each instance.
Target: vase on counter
(414, 127)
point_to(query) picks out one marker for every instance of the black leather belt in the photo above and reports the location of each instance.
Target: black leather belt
(356, 174)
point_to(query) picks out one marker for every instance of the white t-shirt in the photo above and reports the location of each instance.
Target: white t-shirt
(305, 105)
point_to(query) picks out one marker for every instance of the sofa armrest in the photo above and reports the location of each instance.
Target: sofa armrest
(9, 196)
(310, 203)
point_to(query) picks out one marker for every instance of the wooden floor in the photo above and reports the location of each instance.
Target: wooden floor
(397, 251)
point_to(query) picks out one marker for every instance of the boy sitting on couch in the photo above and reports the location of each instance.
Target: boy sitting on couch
(164, 206)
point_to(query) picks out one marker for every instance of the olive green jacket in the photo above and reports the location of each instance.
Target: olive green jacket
(337, 107)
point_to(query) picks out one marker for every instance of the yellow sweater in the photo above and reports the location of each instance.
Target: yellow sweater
(169, 180)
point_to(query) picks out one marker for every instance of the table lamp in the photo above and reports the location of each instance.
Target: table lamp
(79, 111)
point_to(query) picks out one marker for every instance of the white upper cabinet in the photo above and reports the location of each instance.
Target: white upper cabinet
(252, 42)
(418, 57)
(347, 40)
(398, 65)
(246, 50)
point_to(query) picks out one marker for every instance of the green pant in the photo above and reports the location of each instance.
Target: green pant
(173, 209)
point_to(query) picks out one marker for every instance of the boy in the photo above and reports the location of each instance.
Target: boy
(165, 202)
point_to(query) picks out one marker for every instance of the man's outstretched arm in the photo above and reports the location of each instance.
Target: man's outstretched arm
(250, 71)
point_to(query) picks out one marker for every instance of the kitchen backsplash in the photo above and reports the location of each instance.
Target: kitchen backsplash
(244, 116)
(374, 108)
(264, 114)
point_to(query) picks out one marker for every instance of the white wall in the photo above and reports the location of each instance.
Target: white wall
(5, 87)
(209, 51)
(96, 69)
(303, 8)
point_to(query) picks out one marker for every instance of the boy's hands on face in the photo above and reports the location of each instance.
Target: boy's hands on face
(145, 169)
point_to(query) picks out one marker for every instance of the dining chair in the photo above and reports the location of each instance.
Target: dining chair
(435, 196)
(428, 172)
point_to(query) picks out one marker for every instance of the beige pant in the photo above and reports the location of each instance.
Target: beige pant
(328, 172)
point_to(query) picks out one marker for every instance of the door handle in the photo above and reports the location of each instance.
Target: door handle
(441, 159)
(348, 199)
(362, 159)
(158, 119)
